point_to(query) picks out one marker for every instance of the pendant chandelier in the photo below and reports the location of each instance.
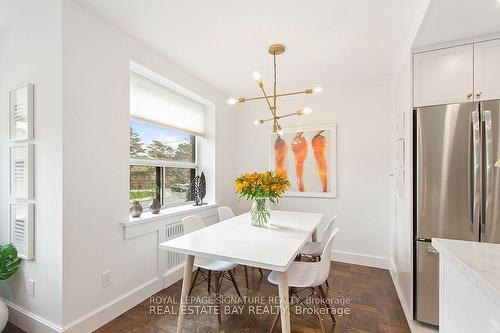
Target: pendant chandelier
(274, 50)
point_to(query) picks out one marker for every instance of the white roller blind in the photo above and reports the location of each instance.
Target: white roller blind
(159, 105)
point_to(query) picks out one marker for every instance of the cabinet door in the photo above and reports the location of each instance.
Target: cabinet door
(443, 76)
(487, 70)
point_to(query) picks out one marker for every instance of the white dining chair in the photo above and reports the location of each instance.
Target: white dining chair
(225, 212)
(222, 269)
(313, 250)
(309, 275)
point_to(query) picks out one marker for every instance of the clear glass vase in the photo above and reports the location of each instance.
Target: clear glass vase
(260, 212)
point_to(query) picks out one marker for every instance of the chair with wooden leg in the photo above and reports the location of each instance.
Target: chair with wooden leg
(225, 212)
(219, 269)
(305, 275)
(313, 250)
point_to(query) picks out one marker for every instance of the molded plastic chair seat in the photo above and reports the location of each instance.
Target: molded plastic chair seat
(213, 265)
(300, 274)
(314, 249)
(309, 274)
(311, 249)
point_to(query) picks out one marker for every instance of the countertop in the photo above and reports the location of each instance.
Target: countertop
(480, 262)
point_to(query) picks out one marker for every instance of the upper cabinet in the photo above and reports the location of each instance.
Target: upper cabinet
(457, 74)
(443, 76)
(487, 70)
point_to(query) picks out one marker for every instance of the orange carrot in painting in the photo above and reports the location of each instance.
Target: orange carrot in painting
(299, 148)
(318, 144)
(280, 152)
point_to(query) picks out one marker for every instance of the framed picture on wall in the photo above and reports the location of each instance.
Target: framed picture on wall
(21, 171)
(22, 228)
(21, 113)
(400, 126)
(308, 157)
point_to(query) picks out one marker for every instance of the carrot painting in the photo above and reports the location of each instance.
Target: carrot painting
(319, 144)
(299, 148)
(280, 152)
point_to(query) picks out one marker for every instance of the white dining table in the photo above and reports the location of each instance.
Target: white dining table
(272, 247)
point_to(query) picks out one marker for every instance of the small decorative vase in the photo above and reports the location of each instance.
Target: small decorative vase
(136, 209)
(4, 315)
(260, 212)
(155, 206)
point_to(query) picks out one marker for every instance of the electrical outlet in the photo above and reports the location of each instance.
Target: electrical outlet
(31, 288)
(106, 279)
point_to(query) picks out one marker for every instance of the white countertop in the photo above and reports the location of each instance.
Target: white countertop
(480, 262)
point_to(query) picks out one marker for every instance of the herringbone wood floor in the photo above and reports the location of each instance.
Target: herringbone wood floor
(374, 307)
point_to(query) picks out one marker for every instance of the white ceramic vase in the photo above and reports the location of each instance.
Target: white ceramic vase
(4, 315)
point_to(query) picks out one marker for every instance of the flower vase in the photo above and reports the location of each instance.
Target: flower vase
(136, 209)
(260, 212)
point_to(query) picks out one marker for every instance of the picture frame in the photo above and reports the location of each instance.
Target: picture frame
(400, 126)
(21, 113)
(399, 154)
(318, 180)
(22, 171)
(22, 216)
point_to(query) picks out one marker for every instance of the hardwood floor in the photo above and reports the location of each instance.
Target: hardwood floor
(373, 306)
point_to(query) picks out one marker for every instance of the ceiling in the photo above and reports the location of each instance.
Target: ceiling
(449, 20)
(329, 42)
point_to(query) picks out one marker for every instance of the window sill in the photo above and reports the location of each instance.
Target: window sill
(148, 222)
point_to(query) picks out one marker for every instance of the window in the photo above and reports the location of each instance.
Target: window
(162, 164)
(163, 159)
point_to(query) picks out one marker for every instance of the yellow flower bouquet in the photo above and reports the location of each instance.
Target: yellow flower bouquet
(260, 187)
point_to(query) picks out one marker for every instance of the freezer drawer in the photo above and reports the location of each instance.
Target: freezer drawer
(427, 284)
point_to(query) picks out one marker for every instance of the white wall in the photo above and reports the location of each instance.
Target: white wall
(364, 118)
(96, 58)
(30, 51)
(403, 221)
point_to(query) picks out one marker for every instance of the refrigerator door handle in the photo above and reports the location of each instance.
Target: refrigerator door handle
(475, 179)
(488, 180)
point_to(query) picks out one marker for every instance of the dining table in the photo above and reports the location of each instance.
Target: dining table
(273, 246)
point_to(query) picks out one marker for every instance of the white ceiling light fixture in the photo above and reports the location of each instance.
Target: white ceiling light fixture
(274, 50)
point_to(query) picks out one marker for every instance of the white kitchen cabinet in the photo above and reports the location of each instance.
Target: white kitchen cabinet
(487, 70)
(443, 76)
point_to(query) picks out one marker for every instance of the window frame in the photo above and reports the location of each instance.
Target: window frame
(164, 164)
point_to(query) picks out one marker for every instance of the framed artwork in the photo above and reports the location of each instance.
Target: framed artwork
(399, 151)
(21, 113)
(22, 228)
(400, 126)
(307, 156)
(21, 171)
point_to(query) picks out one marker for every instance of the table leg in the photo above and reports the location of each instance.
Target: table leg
(315, 235)
(284, 302)
(188, 272)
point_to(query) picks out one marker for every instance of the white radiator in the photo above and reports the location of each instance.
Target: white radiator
(174, 259)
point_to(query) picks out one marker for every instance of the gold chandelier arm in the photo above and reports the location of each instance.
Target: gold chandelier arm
(244, 99)
(261, 85)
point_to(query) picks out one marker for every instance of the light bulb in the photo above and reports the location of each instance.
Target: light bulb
(256, 76)
(317, 90)
(232, 101)
(258, 122)
(307, 110)
(280, 132)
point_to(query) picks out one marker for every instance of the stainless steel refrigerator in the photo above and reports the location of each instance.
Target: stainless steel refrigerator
(456, 187)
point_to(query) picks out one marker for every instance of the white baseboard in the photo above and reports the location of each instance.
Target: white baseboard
(28, 321)
(361, 259)
(34, 324)
(116, 307)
